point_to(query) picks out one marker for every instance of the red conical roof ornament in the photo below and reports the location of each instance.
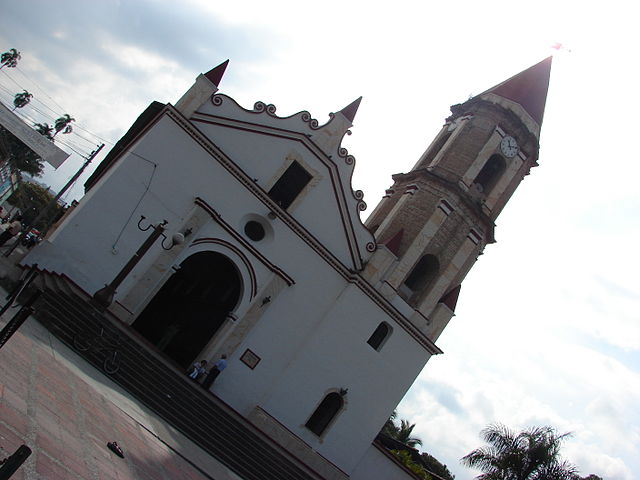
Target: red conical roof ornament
(528, 88)
(451, 298)
(350, 110)
(393, 244)
(216, 73)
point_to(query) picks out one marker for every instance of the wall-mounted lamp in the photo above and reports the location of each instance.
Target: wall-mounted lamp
(103, 297)
(178, 238)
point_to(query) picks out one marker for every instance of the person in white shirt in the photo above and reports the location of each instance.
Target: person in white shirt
(198, 369)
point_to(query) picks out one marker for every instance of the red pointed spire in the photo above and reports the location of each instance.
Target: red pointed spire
(528, 88)
(393, 244)
(451, 298)
(350, 110)
(216, 73)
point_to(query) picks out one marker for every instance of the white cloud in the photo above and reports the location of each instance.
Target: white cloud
(547, 325)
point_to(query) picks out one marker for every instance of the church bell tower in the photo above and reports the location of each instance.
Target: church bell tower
(435, 220)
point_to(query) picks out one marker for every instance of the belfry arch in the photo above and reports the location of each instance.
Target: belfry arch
(191, 306)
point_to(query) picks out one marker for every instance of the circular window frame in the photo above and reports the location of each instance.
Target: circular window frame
(262, 222)
(254, 231)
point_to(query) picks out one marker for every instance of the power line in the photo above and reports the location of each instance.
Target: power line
(57, 115)
(71, 148)
(40, 88)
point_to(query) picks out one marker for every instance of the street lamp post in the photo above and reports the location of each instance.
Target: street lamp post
(104, 297)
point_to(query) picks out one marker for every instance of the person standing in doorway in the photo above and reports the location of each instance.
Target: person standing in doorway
(219, 366)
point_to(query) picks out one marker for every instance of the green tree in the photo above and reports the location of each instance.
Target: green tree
(433, 465)
(9, 59)
(31, 199)
(405, 458)
(533, 454)
(20, 157)
(21, 99)
(390, 428)
(402, 433)
(45, 129)
(63, 124)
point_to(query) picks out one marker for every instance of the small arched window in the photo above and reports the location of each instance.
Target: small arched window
(490, 173)
(325, 413)
(420, 277)
(379, 335)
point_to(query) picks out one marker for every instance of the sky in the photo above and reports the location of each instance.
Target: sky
(547, 328)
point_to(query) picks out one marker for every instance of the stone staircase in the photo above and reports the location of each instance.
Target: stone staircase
(165, 389)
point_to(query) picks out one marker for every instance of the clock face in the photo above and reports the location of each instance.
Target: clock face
(509, 146)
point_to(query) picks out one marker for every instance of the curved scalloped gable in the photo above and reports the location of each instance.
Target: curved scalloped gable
(263, 145)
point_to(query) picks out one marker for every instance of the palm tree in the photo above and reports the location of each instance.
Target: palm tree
(9, 59)
(21, 99)
(532, 454)
(63, 124)
(401, 433)
(45, 129)
(390, 428)
(404, 434)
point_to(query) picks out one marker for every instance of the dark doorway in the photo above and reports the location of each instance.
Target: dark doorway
(191, 306)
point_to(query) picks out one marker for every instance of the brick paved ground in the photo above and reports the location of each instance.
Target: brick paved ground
(46, 404)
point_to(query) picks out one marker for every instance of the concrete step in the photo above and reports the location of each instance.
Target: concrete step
(166, 390)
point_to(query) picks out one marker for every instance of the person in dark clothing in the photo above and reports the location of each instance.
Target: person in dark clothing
(214, 372)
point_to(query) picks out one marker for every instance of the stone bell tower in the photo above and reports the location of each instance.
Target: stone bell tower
(436, 219)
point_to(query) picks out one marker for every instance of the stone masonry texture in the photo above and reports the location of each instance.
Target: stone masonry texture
(67, 423)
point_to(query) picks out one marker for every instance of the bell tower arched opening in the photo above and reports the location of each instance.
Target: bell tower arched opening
(490, 173)
(191, 306)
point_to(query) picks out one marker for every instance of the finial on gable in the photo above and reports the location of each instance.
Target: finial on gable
(206, 85)
(216, 73)
(329, 136)
(350, 110)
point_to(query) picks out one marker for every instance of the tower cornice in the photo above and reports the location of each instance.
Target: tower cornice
(486, 221)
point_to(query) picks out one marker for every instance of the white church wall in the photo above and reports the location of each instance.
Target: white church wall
(376, 464)
(160, 178)
(282, 386)
(287, 322)
(265, 157)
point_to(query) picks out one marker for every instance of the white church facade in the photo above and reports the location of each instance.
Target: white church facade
(326, 321)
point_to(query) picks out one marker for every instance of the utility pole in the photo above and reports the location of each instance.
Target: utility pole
(44, 211)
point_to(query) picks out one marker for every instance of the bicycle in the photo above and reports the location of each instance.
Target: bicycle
(83, 342)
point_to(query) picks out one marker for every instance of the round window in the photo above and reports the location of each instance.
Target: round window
(254, 230)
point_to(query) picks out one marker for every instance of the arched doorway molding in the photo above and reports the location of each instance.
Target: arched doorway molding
(188, 311)
(235, 254)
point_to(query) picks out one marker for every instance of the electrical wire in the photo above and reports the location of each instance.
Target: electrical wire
(55, 113)
(39, 87)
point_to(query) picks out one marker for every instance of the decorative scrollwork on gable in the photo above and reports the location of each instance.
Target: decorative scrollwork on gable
(307, 118)
(260, 107)
(359, 195)
(348, 159)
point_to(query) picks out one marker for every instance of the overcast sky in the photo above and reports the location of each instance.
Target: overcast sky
(547, 327)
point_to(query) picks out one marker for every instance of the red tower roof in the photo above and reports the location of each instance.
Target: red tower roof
(216, 73)
(528, 88)
(451, 298)
(350, 110)
(393, 244)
